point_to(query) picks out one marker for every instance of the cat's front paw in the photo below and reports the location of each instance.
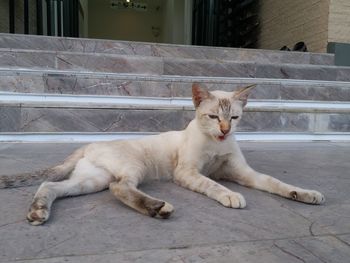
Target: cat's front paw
(37, 215)
(308, 196)
(233, 200)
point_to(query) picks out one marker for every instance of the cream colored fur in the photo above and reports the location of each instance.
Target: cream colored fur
(204, 151)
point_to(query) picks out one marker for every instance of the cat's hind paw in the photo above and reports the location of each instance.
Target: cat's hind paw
(232, 200)
(166, 210)
(308, 196)
(158, 208)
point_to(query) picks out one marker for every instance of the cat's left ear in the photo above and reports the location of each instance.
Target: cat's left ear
(243, 93)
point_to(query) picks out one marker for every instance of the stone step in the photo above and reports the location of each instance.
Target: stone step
(85, 137)
(43, 60)
(82, 45)
(50, 113)
(117, 84)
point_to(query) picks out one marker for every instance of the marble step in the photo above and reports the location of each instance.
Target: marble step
(82, 45)
(86, 137)
(117, 84)
(44, 60)
(36, 113)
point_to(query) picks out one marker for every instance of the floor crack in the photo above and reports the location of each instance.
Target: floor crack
(12, 223)
(308, 250)
(289, 253)
(310, 228)
(55, 245)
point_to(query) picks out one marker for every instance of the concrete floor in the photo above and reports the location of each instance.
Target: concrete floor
(98, 228)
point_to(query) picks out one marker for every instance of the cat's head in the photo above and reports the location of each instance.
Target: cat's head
(218, 112)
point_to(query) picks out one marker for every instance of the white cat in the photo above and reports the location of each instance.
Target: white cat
(204, 150)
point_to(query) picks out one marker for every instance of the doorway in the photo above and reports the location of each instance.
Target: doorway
(226, 23)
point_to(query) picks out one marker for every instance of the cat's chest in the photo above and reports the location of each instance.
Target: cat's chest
(211, 162)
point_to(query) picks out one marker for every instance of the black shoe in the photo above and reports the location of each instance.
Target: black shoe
(300, 46)
(285, 48)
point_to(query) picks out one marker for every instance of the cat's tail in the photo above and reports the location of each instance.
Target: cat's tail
(56, 173)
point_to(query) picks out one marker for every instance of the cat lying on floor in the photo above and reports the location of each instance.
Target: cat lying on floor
(193, 158)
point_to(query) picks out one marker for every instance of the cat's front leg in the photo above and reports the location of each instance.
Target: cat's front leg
(193, 180)
(242, 173)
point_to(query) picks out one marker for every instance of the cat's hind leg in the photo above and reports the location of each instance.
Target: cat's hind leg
(86, 178)
(125, 189)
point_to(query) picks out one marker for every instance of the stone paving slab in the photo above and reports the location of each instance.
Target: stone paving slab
(98, 228)
(312, 250)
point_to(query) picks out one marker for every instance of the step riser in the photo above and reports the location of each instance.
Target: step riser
(26, 119)
(168, 66)
(66, 61)
(59, 83)
(161, 50)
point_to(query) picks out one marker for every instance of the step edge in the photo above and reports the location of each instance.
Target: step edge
(37, 100)
(240, 136)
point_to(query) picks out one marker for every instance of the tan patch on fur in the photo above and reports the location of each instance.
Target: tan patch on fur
(174, 160)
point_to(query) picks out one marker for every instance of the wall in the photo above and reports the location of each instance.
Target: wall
(108, 23)
(286, 22)
(339, 21)
(83, 19)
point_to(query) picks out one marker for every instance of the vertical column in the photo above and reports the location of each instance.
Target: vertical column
(12, 16)
(59, 18)
(26, 17)
(39, 17)
(49, 16)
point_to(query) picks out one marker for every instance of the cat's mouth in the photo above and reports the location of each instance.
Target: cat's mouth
(221, 137)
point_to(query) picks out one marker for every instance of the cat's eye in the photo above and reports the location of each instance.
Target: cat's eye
(213, 116)
(234, 117)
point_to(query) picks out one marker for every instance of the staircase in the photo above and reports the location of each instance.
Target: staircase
(64, 90)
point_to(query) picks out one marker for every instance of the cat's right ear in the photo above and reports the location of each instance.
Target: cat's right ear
(243, 93)
(199, 94)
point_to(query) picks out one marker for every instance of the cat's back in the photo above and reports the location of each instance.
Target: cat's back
(155, 151)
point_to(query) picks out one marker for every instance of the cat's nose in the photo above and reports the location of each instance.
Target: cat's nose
(225, 127)
(225, 131)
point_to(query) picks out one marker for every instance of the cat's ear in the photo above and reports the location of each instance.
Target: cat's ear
(199, 94)
(243, 93)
